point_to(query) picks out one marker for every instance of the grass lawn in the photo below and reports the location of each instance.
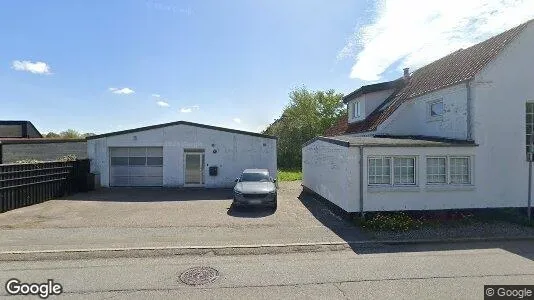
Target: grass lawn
(289, 175)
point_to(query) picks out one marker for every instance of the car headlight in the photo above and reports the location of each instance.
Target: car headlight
(237, 192)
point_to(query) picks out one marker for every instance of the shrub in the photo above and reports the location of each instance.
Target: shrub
(394, 221)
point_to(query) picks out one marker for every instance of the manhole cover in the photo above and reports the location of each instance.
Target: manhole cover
(199, 275)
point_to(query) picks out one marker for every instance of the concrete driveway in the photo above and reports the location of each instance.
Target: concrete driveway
(128, 217)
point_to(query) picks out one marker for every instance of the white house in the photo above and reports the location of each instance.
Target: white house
(179, 154)
(452, 135)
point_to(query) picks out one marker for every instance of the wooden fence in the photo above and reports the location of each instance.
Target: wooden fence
(27, 184)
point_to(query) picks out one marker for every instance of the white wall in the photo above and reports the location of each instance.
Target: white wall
(332, 171)
(412, 118)
(499, 95)
(369, 102)
(421, 196)
(235, 152)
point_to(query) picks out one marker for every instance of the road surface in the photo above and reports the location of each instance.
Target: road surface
(432, 271)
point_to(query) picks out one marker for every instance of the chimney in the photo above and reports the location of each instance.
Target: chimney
(406, 74)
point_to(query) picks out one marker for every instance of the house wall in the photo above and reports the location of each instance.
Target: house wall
(235, 152)
(369, 102)
(421, 196)
(499, 94)
(332, 171)
(412, 118)
(42, 151)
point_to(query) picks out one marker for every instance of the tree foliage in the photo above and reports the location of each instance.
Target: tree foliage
(308, 114)
(68, 134)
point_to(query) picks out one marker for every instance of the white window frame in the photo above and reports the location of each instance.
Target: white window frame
(392, 170)
(430, 117)
(527, 124)
(356, 109)
(448, 169)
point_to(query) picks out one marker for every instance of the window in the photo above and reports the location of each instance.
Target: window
(448, 170)
(435, 109)
(459, 170)
(356, 109)
(404, 170)
(388, 170)
(379, 170)
(529, 125)
(436, 170)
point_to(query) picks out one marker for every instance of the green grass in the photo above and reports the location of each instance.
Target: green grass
(289, 175)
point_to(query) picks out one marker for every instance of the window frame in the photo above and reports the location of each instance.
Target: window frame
(356, 109)
(430, 117)
(392, 171)
(448, 170)
(527, 124)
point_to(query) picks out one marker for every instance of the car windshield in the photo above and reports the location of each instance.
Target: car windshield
(255, 177)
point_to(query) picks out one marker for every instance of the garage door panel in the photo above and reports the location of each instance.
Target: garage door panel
(136, 166)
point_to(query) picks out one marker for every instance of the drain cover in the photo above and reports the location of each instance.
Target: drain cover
(199, 275)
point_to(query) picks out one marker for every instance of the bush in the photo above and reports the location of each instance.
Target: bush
(395, 221)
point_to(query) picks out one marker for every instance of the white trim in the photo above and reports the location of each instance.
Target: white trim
(392, 171)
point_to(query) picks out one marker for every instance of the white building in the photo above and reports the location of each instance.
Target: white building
(453, 134)
(179, 154)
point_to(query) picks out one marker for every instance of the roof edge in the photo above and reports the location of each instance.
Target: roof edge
(328, 140)
(139, 129)
(39, 141)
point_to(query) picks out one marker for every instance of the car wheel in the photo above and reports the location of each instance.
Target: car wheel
(275, 205)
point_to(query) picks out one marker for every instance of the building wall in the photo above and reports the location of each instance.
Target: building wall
(369, 102)
(412, 118)
(332, 171)
(499, 94)
(10, 130)
(422, 196)
(42, 151)
(234, 152)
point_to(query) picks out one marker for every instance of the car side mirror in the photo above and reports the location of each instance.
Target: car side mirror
(237, 179)
(274, 180)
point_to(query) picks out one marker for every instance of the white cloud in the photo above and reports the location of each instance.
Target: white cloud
(163, 104)
(189, 109)
(122, 91)
(412, 33)
(156, 95)
(237, 120)
(37, 67)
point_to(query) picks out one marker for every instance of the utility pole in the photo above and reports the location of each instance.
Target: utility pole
(529, 157)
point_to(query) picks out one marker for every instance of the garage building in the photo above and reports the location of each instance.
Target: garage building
(179, 154)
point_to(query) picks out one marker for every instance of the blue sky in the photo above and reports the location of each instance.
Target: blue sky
(100, 66)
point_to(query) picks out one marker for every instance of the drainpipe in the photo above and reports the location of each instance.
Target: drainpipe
(469, 112)
(362, 214)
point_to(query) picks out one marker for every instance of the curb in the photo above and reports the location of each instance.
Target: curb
(139, 252)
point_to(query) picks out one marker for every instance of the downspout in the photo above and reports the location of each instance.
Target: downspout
(469, 112)
(362, 214)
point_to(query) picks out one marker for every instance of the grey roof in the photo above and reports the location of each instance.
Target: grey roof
(393, 141)
(180, 123)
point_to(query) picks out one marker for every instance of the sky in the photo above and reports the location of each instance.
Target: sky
(102, 66)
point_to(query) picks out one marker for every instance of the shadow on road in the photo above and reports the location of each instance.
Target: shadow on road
(250, 211)
(341, 225)
(151, 195)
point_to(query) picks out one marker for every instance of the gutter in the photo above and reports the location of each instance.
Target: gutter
(362, 214)
(469, 111)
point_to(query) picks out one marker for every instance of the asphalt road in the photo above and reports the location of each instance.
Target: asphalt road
(431, 271)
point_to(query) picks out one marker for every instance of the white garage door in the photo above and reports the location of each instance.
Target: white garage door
(136, 166)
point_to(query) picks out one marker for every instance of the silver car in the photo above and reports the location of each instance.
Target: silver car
(255, 187)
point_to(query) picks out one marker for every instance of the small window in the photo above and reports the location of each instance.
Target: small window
(379, 170)
(119, 161)
(436, 170)
(436, 109)
(154, 161)
(529, 119)
(356, 109)
(137, 161)
(459, 170)
(404, 170)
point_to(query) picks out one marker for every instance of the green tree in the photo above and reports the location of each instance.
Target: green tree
(70, 134)
(52, 135)
(308, 114)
